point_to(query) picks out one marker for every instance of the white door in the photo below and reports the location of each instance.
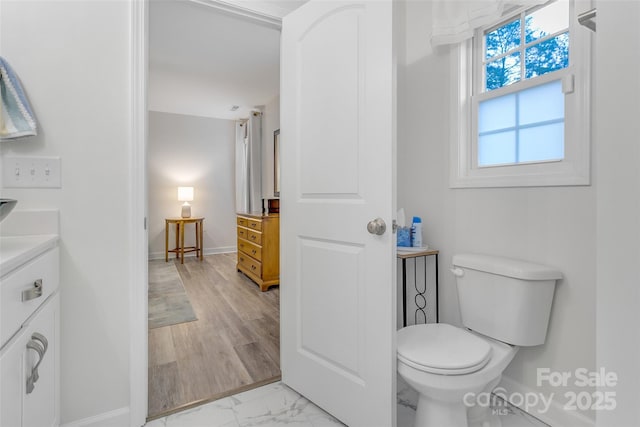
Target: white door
(337, 144)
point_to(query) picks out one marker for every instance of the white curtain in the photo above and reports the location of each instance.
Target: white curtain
(249, 165)
(242, 195)
(456, 20)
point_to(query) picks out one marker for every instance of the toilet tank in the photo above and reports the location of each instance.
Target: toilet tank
(503, 298)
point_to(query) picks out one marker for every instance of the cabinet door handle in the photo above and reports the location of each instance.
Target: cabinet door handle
(31, 381)
(42, 339)
(33, 293)
(40, 344)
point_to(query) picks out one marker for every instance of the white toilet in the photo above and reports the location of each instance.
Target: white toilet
(504, 303)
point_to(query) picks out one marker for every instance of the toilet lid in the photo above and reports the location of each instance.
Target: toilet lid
(442, 349)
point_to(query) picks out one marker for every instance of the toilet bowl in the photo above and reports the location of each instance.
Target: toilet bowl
(448, 380)
(504, 304)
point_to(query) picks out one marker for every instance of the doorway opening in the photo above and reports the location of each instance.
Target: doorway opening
(212, 332)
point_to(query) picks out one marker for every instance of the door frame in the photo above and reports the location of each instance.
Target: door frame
(138, 278)
(137, 214)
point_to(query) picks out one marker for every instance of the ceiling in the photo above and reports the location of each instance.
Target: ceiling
(204, 59)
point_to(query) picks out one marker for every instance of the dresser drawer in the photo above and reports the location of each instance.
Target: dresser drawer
(250, 264)
(255, 224)
(254, 237)
(242, 221)
(243, 233)
(43, 270)
(254, 251)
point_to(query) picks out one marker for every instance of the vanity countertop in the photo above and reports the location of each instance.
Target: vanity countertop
(16, 250)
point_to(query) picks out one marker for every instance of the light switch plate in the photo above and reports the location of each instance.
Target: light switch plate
(31, 172)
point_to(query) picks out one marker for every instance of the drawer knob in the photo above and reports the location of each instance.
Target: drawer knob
(254, 251)
(253, 267)
(253, 237)
(33, 293)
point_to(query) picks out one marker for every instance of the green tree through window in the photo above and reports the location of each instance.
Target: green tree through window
(504, 51)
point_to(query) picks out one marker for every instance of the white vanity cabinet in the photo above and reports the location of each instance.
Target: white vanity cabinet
(30, 329)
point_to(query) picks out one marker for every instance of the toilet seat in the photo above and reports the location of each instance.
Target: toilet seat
(442, 349)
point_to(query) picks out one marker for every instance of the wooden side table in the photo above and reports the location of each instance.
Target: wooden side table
(180, 249)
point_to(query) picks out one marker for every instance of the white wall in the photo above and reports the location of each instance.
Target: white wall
(617, 151)
(553, 226)
(197, 152)
(270, 123)
(73, 59)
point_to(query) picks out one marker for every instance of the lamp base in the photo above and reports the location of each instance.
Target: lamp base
(186, 210)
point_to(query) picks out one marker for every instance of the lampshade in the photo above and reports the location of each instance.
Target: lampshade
(185, 194)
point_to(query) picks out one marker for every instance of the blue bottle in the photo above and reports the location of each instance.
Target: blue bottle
(416, 232)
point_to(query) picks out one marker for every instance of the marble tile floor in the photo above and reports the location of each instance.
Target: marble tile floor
(277, 405)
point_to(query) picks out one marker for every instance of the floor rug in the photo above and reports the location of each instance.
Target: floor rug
(168, 300)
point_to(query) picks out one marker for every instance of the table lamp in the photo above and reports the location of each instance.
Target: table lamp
(185, 194)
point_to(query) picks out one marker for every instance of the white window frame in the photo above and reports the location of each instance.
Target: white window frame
(574, 169)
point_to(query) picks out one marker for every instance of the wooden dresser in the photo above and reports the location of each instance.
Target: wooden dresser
(259, 248)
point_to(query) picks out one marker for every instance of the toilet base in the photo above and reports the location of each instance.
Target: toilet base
(482, 415)
(432, 412)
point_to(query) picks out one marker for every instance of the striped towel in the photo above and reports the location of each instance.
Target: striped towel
(16, 116)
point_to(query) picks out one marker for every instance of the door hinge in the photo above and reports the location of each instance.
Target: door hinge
(394, 226)
(145, 222)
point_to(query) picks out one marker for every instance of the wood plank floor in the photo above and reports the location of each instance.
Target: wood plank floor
(234, 344)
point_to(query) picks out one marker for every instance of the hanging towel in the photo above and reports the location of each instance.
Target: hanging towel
(16, 116)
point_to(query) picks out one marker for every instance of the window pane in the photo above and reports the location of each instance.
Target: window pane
(503, 71)
(497, 148)
(497, 113)
(542, 143)
(541, 103)
(548, 20)
(550, 55)
(502, 39)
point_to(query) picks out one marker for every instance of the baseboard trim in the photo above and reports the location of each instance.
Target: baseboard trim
(556, 416)
(115, 418)
(207, 251)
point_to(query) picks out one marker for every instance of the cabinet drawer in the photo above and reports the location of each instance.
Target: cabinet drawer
(255, 224)
(250, 264)
(254, 237)
(13, 310)
(254, 251)
(243, 233)
(242, 221)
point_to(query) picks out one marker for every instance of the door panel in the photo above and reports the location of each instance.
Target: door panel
(330, 103)
(334, 340)
(338, 173)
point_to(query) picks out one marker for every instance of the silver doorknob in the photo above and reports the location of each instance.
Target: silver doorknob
(377, 226)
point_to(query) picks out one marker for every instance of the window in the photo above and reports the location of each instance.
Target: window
(523, 116)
